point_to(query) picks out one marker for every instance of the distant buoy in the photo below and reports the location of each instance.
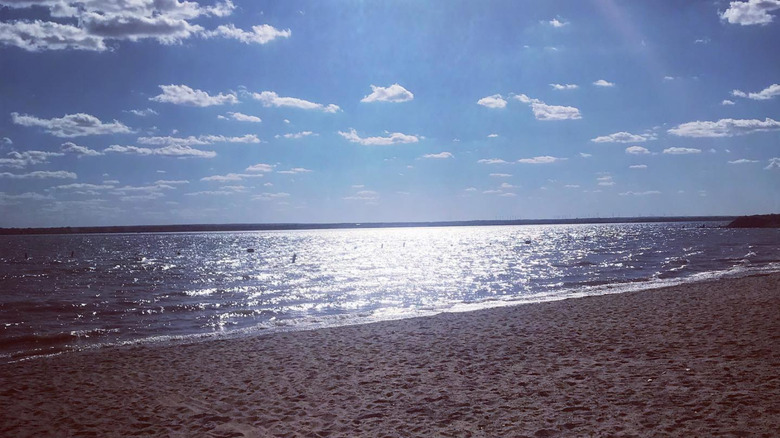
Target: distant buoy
(250, 250)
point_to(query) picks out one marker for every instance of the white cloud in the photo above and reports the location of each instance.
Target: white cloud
(271, 99)
(603, 83)
(295, 135)
(546, 159)
(244, 117)
(470, 189)
(73, 148)
(184, 95)
(724, 128)
(27, 196)
(668, 78)
(500, 175)
(260, 34)
(681, 151)
(270, 196)
(743, 161)
(198, 141)
(494, 101)
(144, 112)
(27, 158)
(507, 195)
(440, 155)
(750, 12)
(494, 135)
(492, 161)
(72, 125)
(542, 111)
(727, 102)
(95, 22)
(6, 141)
(572, 186)
(638, 166)
(84, 186)
(645, 193)
(584, 155)
(39, 35)
(393, 93)
(230, 177)
(211, 193)
(39, 174)
(261, 167)
(394, 138)
(171, 182)
(637, 150)
(556, 23)
(564, 86)
(295, 170)
(774, 163)
(605, 181)
(623, 137)
(181, 151)
(765, 94)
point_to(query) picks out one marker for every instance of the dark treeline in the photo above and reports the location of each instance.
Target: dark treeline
(304, 226)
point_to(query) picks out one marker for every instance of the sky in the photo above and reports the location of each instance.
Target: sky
(133, 112)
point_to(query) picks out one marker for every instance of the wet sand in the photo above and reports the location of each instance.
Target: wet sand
(693, 360)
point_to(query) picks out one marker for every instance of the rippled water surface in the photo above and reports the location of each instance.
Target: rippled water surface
(64, 292)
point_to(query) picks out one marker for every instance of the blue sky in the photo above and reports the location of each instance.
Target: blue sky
(164, 112)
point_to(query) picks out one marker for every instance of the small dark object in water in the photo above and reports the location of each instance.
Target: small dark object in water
(250, 250)
(25, 256)
(527, 242)
(295, 256)
(178, 252)
(71, 254)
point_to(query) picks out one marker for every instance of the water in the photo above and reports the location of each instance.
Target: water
(126, 288)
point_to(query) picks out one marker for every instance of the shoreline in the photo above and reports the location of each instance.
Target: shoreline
(682, 360)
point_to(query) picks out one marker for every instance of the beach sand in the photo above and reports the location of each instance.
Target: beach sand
(693, 360)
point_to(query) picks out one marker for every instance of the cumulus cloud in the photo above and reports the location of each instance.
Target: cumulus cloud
(585, 155)
(645, 193)
(40, 174)
(564, 86)
(774, 163)
(623, 137)
(270, 196)
(603, 83)
(557, 23)
(260, 167)
(199, 140)
(681, 151)
(72, 125)
(492, 161)
(93, 23)
(605, 181)
(295, 135)
(638, 166)
(493, 135)
(392, 138)
(230, 177)
(543, 111)
(440, 155)
(726, 102)
(546, 159)
(73, 148)
(637, 150)
(27, 158)
(261, 34)
(40, 35)
(184, 95)
(743, 161)
(494, 101)
(244, 117)
(295, 170)
(724, 128)
(181, 151)
(393, 93)
(751, 12)
(271, 99)
(143, 113)
(765, 94)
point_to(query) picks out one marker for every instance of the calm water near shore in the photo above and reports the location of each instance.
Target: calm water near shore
(67, 292)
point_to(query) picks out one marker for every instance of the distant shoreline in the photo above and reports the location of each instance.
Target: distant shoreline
(347, 225)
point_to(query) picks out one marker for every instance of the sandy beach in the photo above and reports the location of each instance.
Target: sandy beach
(694, 360)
